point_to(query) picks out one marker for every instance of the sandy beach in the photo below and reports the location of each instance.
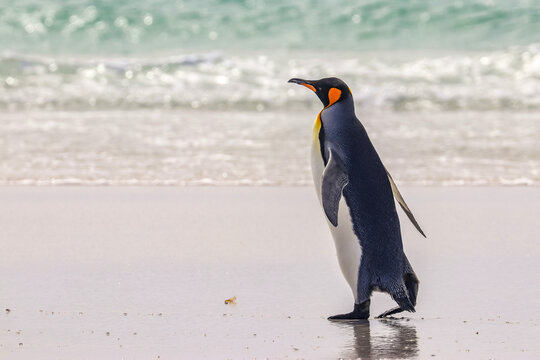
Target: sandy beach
(155, 162)
(142, 273)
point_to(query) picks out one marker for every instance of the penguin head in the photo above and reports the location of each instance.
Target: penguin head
(329, 90)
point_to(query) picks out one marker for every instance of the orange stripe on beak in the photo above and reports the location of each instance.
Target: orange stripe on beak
(310, 87)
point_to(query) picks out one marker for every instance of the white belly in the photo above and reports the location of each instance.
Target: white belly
(349, 251)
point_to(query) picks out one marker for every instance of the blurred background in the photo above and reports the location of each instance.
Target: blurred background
(195, 92)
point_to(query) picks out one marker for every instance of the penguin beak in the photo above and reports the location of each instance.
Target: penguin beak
(307, 83)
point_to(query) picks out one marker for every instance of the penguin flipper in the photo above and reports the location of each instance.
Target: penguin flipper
(403, 204)
(334, 180)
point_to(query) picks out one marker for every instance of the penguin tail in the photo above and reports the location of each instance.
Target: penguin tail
(404, 303)
(400, 294)
(404, 294)
(411, 282)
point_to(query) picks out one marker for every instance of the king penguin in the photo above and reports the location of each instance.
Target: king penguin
(357, 195)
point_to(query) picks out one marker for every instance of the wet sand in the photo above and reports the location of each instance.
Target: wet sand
(142, 273)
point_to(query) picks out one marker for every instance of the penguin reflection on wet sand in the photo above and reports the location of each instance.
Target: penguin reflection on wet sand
(355, 191)
(383, 340)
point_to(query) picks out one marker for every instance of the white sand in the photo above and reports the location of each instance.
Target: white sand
(142, 273)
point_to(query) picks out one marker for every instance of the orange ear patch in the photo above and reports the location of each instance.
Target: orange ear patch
(310, 87)
(333, 95)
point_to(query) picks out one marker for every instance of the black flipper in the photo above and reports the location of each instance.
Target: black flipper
(403, 204)
(334, 180)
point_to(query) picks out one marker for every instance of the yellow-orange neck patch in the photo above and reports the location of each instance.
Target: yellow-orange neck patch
(333, 96)
(317, 126)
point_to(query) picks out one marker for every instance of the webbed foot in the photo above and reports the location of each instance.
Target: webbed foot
(387, 313)
(360, 312)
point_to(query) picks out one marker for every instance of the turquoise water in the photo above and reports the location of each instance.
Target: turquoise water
(195, 92)
(147, 26)
(397, 55)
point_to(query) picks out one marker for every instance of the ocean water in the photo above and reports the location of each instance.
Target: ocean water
(195, 92)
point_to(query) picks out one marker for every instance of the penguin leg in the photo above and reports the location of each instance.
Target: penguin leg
(360, 312)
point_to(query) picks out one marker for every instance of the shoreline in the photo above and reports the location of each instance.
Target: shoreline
(201, 147)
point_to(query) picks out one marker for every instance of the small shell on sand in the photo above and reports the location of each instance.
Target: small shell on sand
(231, 301)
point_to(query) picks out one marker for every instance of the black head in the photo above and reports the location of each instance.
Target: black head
(329, 90)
